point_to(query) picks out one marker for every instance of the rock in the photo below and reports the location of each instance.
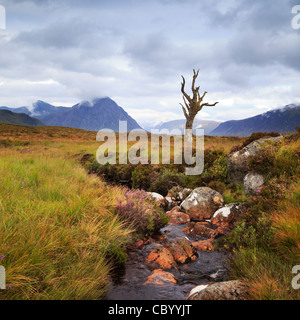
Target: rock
(227, 290)
(237, 161)
(177, 252)
(159, 199)
(228, 215)
(161, 258)
(184, 193)
(204, 245)
(252, 183)
(188, 248)
(202, 203)
(177, 217)
(199, 229)
(160, 277)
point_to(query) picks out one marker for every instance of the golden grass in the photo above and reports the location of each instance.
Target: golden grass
(57, 225)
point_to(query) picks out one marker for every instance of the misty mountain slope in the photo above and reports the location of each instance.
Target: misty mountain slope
(283, 120)
(17, 110)
(207, 125)
(98, 114)
(22, 119)
(42, 109)
(39, 109)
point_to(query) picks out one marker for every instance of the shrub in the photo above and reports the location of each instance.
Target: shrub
(166, 180)
(138, 210)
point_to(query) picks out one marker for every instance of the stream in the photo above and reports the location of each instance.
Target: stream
(130, 284)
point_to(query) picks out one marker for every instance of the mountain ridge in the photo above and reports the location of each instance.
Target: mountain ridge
(7, 116)
(281, 120)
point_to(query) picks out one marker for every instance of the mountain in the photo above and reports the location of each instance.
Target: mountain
(101, 113)
(22, 119)
(282, 120)
(207, 125)
(39, 109)
(17, 110)
(42, 109)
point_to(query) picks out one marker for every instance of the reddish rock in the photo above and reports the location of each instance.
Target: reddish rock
(177, 217)
(204, 245)
(177, 252)
(161, 258)
(200, 230)
(188, 248)
(160, 277)
(228, 215)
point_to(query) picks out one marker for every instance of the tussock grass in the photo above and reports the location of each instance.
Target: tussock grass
(58, 225)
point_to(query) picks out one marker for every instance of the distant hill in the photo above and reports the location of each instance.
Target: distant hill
(22, 119)
(17, 110)
(101, 113)
(282, 120)
(39, 109)
(207, 125)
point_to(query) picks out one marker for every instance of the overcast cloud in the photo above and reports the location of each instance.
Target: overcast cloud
(65, 51)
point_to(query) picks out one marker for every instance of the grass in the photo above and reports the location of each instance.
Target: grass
(60, 234)
(58, 225)
(267, 239)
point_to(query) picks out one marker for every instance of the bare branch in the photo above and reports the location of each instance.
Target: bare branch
(209, 104)
(183, 92)
(184, 111)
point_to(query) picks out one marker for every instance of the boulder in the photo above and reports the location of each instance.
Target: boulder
(160, 277)
(237, 161)
(226, 290)
(252, 182)
(161, 258)
(227, 215)
(202, 203)
(199, 229)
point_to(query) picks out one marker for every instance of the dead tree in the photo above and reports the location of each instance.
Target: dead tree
(193, 104)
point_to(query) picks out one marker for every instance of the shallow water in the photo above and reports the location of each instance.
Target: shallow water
(129, 285)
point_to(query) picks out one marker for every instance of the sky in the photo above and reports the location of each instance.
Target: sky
(135, 52)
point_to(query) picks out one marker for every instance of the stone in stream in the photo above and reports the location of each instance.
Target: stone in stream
(161, 258)
(204, 245)
(160, 277)
(166, 257)
(177, 217)
(199, 229)
(202, 203)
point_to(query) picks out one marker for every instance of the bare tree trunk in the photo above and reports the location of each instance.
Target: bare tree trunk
(192, 104)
